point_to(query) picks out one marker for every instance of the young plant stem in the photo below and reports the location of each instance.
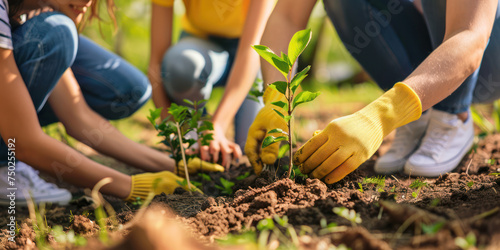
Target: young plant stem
(183, 156)
(289, 99)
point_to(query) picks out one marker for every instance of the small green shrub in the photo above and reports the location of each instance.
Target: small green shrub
(285, 65)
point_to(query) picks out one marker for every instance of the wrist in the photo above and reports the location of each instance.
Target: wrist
(397, 107)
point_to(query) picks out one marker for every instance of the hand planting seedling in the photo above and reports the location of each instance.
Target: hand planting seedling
(182, 120)
(287, 89)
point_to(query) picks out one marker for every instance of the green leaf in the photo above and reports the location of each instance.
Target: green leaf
(279, 113)
(271, 139)
(287, 118)
(243, 176)
(283, 150)
(226, 183)
(433, 228)
(299, 42)
(277, 130)
(153, 115)
(280, 86)
(280, 104)
(188, 102)
(205, 177)
(303, 97)
(286, 59)
(273, 59)
(267, 141)
(297, 79)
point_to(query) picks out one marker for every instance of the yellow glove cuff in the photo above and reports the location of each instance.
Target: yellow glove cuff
(395, 108)
(142, 185)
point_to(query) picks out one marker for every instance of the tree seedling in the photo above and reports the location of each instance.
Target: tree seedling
(227, 186)
(418, 185)
(182, 120)
(348, 214)
(285, 65)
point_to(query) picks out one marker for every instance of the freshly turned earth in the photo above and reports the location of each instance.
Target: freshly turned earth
(464, 201)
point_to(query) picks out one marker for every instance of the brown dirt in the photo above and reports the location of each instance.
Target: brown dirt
(465, 201)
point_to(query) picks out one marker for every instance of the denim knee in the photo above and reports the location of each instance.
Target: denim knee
(53, 34)
(184, 74)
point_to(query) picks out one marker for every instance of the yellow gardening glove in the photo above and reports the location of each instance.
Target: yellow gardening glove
(349, 141)
(196, 164)
(267, 119)
(161, 182)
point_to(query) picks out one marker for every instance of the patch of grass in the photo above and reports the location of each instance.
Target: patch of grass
(417, 184)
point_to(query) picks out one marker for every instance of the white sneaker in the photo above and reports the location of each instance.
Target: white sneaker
(27, 182)
(406, 141)
(445, 143)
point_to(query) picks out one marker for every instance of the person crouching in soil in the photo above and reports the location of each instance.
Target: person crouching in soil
(50, 73)
(433, 57)
(214, 50)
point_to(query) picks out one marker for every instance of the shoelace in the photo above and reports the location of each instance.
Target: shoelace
(435, 140)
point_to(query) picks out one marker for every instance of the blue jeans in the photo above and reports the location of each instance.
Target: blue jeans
(390, 38)
(194, 66)
(47, 45)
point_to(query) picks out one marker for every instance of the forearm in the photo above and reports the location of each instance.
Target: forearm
(161, 40)
(236, 90)
(99, 134)
(87, 126)
(65, 163)
(288, 17)
(446, 68)
(246, 64)
(468, 28)
(18, 121)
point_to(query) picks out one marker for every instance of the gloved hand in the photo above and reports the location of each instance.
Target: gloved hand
(267, 119)
(349, 141)
(196, 164)
(161, 182)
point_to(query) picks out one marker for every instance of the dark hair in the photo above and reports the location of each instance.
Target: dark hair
(14, 7)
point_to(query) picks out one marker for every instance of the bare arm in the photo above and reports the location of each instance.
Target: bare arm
(468, 28)
(246, 63)
(18, 119)
(288, 17)
(161, 39)
(240, 81)
(85, 125)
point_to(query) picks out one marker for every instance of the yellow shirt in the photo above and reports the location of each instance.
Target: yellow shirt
(224, 18)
